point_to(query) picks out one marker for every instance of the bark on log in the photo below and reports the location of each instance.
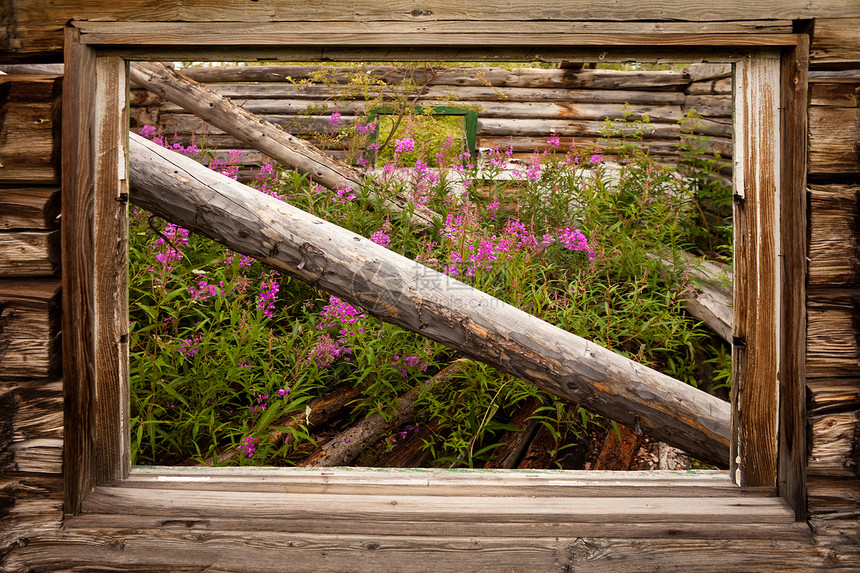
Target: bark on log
(260, 134)
(400, 291)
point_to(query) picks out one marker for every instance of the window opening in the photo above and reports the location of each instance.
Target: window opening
(243, 353)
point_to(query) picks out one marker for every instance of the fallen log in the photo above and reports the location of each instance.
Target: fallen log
(262, 135)
(347, 445)
(400, 291)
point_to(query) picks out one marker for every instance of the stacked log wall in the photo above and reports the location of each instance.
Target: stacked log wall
(517, 109)
(31, 390)
(31, 387)
(833, 310)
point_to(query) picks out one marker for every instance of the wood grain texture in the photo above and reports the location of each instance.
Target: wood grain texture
(757, 279)
(830, 395)
(834, 235)
(29, 208)
(836, 41)
(29, 505)
(791, 471)
(110, 229)
(29, 253)
(835, 445)
(834, 140)
(29, 328)
(833, 344)
(29, 128)
(77, 270)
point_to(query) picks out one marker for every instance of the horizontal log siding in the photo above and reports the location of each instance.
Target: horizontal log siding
(517, 108)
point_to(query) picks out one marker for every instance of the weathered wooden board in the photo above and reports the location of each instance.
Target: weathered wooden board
(835, 446)
(834, 140)
(33, 407)
(832, 342)
(29, 125)
(29, 328)
(29, 253)
(834, 235)
(836, 41)
(828, 395)
(834, 495)
(29, 505)
(29, 208)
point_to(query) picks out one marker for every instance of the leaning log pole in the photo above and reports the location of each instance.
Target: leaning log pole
(402, 292)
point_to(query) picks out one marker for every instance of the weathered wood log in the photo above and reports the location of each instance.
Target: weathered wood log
(260, 134)
(29, 328)
(515, 443)
(835, 448)
(29, 208)
(834, 140)
(831, 395)
(710, 297)
(29, 505)
(657, 113)
(347, 445)
(29, 253)
(29, 128)
(619, 449)
(833, 347)
(400, 291)
(834, 238)
(478, 77)
(318, 411)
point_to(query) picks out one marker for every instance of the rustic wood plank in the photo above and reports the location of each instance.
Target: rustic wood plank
(176, 547)
(836, 41)
(170, 503)
(29, 328)
(791, 471)
(33, 407)
(832, 495)
(837, 539)
(834, 140)
(29, 208)
(637, 83)
(29, 253)
(829, 395)
(29, 505)
(834, 238)
(77, 271)
(834, 448)
(344, 34)
(438, 307)
(110, 228)
(34, 455)
(834, 94)
(29, 128)
(758, 248)
(833, 347)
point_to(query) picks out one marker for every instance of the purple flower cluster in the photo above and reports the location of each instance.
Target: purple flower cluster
(338, 314)
(268, 292)
(248, 446)
(169, 246)
(260, 403)
(407, 364)
(326, 351)
(189, 346)
(344, 193)
(381, 238)
(404, 145)
(203, 290)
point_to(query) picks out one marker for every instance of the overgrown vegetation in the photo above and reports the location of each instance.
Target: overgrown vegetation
(224, 350)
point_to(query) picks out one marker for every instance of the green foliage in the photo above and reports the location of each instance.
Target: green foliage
(224, 351)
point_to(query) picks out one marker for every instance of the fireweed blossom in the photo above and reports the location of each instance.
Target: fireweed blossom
(404, 145)
(339, 314)
(247, 446)
(326, 351)
(268, 293)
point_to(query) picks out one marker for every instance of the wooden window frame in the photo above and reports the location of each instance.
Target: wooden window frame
(768, 441)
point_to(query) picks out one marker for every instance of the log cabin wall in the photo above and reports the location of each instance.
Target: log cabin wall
(31, 409)
(516, 108)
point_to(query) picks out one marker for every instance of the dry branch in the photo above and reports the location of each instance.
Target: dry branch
(400, 291)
